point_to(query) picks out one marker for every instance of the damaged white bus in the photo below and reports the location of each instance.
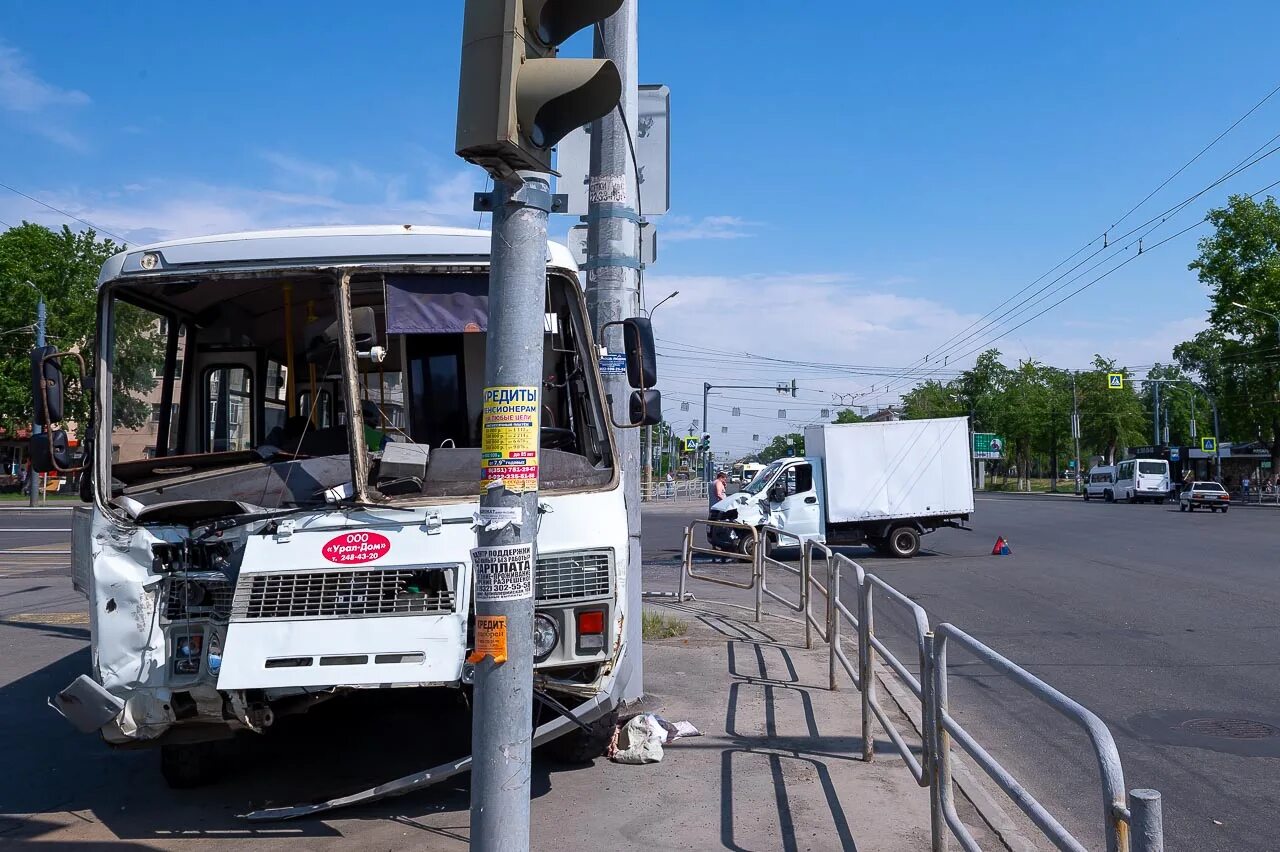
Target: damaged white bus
(296, 520)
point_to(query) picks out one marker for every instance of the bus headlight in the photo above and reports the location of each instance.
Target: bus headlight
(545, 636)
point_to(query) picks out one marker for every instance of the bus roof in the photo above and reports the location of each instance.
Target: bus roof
(337, 244)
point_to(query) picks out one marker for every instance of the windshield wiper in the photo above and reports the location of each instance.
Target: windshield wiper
(248, 518)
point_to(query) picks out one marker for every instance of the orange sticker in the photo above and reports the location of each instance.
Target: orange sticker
(491, 639)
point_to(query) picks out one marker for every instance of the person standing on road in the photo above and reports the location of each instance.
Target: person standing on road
(716, 492)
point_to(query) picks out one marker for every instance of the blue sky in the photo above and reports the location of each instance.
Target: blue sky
(851, 185)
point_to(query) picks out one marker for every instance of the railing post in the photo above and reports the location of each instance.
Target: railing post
(687, 562)
(1146, 824)
(762, 542)
(806, 573)
(833, 621)
(938, 762)
(866, 666)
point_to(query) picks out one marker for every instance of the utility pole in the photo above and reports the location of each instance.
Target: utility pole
(33, 478)
(502, 714)
(1155, 415)
(613, 282)
(516, 100)
(1075, 429)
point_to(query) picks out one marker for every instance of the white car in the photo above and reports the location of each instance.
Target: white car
(1203, 495)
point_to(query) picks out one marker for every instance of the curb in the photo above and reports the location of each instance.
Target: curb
(966, 779)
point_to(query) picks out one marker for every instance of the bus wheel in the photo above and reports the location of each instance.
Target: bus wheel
(187, 765)
(1086, 496)
(1108, 497)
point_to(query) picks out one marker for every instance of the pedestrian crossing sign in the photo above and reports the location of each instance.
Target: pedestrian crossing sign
(691, 444)
(1115, 381)
(1208, 445)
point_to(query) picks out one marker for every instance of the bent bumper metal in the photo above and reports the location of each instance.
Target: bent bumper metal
(587, 712)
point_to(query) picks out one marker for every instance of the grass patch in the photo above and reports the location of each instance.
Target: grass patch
(659, 625)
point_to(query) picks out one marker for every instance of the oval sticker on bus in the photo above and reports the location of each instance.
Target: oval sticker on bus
(355, 548)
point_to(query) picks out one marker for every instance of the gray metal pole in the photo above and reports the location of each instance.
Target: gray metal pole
(1217, 452)
(1155, 415)
(613, 286)
(33, 479)
(705, 473)
(502, 716)
(1075, 421)
(1146, 822)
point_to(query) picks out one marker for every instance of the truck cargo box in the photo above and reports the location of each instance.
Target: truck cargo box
(898, 469)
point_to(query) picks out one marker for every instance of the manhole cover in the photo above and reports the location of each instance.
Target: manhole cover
(1234, 729)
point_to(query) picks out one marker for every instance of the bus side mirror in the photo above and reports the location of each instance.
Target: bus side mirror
(641, 353)
(645, 408)
(46, 385)
(49, 452)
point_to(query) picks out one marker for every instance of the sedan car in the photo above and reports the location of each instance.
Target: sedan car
(1200, 495)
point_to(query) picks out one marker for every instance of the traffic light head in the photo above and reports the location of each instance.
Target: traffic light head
(516, 99)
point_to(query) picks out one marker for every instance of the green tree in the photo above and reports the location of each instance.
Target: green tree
(1109, 419)
(932, 399)
(847, 415)
(777, 448)
(63, 266)
(1236, 357)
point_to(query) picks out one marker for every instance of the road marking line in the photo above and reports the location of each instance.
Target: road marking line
(47, 618)
(35, 552)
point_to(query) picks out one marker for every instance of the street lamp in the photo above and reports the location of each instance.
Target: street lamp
(34, 488)
(674, 293)
(648, 430)
(1264, 313)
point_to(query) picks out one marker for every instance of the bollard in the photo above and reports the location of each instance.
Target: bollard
(1146, 821)
(687, 560)
(937, 762)
(757, 566)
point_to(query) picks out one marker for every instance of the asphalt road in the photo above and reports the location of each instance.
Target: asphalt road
(1164, 624)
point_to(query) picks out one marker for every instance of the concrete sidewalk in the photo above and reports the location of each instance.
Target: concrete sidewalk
(778, 766)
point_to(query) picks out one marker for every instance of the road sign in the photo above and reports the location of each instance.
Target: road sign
(1208, 445)
(691, 444)
(613, 363)
(987, 445)
(1175, 453)
(653, 155)
(1115, 381)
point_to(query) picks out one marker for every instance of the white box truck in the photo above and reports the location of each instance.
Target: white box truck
(882, 484)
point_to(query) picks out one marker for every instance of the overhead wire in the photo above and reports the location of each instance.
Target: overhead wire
(62, 212)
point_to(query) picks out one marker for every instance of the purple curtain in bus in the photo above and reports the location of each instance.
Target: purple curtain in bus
(437, 304)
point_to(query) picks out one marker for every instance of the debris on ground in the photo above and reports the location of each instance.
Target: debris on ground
(640, 738)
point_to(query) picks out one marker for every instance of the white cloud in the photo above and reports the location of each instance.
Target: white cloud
(299, 193)
(678, 228)
(877, 328)
(34, 103)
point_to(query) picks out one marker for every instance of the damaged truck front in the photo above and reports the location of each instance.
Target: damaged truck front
(282, 471)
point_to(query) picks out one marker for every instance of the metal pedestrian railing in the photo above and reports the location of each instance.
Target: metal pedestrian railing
(1132, 822)
(689, 488)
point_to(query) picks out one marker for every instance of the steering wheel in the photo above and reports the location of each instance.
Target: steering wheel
(556, 438)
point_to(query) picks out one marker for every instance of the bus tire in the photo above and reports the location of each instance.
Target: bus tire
(579, 746)
(1108, 496)
(1086, 496)
(188, 765)
(904, 542)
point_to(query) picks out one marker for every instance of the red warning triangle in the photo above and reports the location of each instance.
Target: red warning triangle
(1001, 547)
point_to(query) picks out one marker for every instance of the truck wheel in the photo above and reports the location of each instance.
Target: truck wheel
(904, 542)
(187, 765)
(581, 746)
(747, 547)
